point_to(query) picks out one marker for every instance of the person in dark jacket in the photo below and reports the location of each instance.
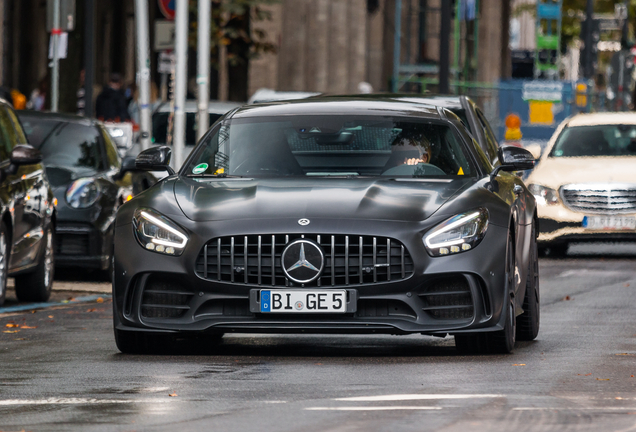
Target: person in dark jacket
(111, 103)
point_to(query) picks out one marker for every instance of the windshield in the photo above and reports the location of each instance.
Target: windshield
(65, 144)
(601, 140)
(160, 123)
(329, 145)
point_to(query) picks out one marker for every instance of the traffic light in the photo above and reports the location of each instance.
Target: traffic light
(593, 49)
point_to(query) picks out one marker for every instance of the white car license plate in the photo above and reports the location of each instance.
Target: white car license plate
(609, 222)
(303, 301)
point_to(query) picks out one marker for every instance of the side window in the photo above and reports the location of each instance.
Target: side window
(490, 136)
(112, 157)
(7, 135)
(22, 139)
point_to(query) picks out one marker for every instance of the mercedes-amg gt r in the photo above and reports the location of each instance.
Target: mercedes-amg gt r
(330, 216)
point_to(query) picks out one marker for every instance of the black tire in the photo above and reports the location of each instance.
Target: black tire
(4, 261)
(36, 286)
(499, 342)
(503, 341)
(528, 322)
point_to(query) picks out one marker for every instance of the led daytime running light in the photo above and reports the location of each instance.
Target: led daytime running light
(167, 227)
(457, 223)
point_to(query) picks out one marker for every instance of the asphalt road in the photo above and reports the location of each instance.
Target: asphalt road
(66, 374)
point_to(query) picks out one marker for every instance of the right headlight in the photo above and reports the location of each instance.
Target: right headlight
(82, 193)
(544, 195)
(457, 234)
(157, 233)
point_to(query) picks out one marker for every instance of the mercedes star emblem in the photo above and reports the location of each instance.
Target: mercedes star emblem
(303, 222)
(302, 261)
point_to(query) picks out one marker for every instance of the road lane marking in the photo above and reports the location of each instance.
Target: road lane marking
(405, 397)
(575, 409)
(76, 401)
(375, 408)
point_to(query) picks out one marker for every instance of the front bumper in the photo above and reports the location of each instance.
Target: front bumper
(158, 293)
(558, 224)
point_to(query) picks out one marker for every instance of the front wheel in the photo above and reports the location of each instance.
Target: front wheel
(528, 322)
(36, 286)
(4, 261)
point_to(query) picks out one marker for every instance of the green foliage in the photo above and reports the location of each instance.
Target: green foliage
(574, 14)
(232, 25)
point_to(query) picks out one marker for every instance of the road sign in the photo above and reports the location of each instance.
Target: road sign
(167, 8)
(164, 35)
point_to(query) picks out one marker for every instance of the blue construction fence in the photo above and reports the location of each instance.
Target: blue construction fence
(540, 105)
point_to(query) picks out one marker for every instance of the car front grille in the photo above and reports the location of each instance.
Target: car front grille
(349, 260)
(448, 298)
(72, 244)
(164, 297)
(600, 198)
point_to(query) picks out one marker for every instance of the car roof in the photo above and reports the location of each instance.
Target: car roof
(265, 95)
(214, 107)
(450, 102)
(339, 105)
(606, 118)
(61, 117)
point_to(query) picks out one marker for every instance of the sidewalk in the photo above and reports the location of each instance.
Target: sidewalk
(92, 287)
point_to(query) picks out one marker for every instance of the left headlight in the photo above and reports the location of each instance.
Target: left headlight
(457, 234)
(157, 233)
(82, 193)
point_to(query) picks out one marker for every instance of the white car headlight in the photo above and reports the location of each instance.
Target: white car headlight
(157, 233)
(457, 234)
(544, 195)
(82, 193)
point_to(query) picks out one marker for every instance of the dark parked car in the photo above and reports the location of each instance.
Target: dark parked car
(331, 215)
(28, 214)
(89, 181)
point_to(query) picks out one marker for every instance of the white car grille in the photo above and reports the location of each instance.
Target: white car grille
(603, 199)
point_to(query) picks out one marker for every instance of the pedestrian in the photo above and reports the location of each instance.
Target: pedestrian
(111, 103)
(37, 100)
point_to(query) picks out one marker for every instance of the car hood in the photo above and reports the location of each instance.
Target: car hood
(556, 172)
(364, 198)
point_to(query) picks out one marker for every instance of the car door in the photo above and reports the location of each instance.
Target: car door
(16, 193)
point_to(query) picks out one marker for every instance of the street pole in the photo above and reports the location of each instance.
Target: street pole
(444, 45)
(588, 40)
(55, 78)
(397, 44)
(181, 79)
(143, 72)
(89, 57)
(203, 68)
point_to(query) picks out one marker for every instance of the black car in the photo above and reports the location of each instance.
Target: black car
(330, 216)
(89, 182)
(28, 214)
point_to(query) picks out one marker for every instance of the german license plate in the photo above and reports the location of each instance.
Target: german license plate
(303, 301)
(610, 223)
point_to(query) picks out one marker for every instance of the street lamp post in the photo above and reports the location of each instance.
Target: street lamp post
(181, 79)
(203, 67)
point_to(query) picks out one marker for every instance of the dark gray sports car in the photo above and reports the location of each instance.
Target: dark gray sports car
(330, 216)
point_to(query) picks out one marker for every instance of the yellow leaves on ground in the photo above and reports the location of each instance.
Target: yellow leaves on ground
(173, 394)
(100, 300)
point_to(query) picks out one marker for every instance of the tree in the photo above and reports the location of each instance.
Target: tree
(231, 26)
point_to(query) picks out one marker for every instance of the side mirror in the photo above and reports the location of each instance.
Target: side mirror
(127, 164)
(24, 154)
(155, 159)
(535, 150)
(513, 159)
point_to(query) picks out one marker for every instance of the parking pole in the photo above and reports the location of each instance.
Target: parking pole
(55, 76)
(143, 72)
(203, 68)
(181, 79)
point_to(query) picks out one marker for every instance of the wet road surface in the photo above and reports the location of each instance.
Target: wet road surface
(66, 374)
